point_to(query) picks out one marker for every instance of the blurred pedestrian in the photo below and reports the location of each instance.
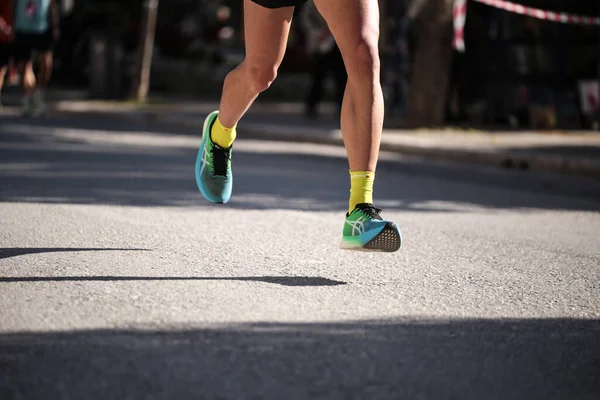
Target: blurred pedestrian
(326, 57)
(355, 26)
(36, 31)
(6, 40)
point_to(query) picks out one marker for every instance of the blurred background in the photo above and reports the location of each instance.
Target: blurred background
(517, 71)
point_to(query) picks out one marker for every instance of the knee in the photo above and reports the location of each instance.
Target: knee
(362, 59)
(261, 76)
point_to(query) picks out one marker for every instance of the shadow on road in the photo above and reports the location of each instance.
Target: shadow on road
(38, 166)
(279, 280)
(20, 251)
(426, 359)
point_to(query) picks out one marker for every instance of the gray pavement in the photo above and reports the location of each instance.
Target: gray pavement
(575, 153)
(117, 280)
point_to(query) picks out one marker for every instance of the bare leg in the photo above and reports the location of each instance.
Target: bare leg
(355, 26)
(266, 32)
(2, 75)
(28, 81)
(45, 62)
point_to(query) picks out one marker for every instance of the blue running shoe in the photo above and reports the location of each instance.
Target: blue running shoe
(213, 166)
(365, 230)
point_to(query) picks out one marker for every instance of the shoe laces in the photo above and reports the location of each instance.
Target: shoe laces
(369, 210)
(221, 158)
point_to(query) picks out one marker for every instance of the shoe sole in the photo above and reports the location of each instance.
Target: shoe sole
(199, 159)
(388, 240)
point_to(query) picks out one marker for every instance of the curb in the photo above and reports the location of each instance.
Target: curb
(506, 160)
(501, 159)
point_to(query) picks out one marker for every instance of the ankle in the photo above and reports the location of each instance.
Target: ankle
(222, 135)
(361, 188)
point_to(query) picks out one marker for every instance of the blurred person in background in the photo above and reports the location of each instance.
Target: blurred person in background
(36, 31)
(6, 40)
(220, 32)
(355, 27)
(326, 56)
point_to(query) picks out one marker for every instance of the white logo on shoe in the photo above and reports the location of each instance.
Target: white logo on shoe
(205, 155)
(358, 226)
(205, 158)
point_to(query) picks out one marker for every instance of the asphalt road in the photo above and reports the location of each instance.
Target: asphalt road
(118, 281)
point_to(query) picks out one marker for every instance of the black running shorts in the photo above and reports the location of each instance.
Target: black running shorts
(26, 43)
(6, 53)
(279, 3)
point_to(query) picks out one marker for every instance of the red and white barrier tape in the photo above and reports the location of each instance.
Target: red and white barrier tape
(541, 14)
(459, 12)
(460, 15)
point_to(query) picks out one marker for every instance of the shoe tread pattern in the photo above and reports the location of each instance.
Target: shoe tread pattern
(388, 240)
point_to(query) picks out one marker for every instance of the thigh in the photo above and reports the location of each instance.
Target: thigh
(266, 32)
(352, 22)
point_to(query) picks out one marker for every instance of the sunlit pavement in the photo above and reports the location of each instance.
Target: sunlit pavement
(117, 280)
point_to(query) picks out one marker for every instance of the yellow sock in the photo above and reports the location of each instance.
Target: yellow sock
(221, 135)
(361, 188)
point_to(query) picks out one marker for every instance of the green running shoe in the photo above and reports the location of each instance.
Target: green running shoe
(38, 105)
(213, 166)
(26, 107)
(365, 230)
